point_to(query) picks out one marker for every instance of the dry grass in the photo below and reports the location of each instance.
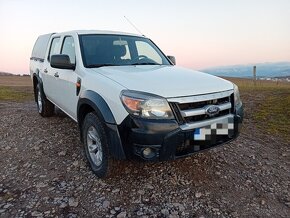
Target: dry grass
(15, 88)
(12, 81)
(261, 85)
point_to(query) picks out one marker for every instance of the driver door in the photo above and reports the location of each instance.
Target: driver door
(67, 97)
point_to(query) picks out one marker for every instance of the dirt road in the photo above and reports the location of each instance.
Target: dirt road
(43, 173)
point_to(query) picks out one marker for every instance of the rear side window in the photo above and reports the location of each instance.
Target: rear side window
(54, 47)
(40, 46)
(68, 48)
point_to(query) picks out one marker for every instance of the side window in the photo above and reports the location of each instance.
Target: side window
(53, 47)
(68, 48)
(144, 48)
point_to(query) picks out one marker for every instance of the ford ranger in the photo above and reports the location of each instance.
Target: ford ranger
(129, 99)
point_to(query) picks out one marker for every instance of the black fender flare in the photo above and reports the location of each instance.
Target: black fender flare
(100, 106)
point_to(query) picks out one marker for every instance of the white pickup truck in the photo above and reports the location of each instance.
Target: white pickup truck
(129, 99)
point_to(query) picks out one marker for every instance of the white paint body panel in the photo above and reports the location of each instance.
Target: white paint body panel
(108, 89)
(165, 81)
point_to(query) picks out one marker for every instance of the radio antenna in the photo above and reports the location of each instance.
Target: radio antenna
(134, 26)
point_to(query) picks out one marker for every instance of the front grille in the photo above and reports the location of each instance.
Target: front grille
(192, 105)
(196, 118)
(193, 108)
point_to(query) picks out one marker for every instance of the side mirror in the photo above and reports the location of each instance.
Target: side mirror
(61, 62)
(172, 59)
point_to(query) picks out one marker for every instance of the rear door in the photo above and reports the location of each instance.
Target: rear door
(49, 73)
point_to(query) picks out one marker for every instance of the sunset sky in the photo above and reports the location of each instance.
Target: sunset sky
(199, 34)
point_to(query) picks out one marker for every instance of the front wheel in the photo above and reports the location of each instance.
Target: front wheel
(96, 145)
(44, 106)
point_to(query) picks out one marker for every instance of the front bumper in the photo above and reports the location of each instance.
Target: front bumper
(168, 140)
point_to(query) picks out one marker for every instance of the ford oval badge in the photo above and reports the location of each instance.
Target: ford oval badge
(212, 110)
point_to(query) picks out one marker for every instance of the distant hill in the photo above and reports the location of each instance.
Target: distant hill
(5, 74)
(277, 69)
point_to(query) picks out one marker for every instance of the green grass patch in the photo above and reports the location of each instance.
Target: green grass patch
(15, 94)
(269, 104)
(273, 113)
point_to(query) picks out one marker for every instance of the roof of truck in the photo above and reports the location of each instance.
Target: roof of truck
(84, 32)
(41, 43)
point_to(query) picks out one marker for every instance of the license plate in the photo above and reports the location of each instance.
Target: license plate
(225, 127)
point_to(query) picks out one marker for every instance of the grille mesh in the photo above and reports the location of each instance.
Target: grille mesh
(180, 108)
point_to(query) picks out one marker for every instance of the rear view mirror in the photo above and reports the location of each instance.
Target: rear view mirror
(120, 42)
(61, 62)
(172, 59)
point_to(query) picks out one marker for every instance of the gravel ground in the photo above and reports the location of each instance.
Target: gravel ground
(44, 174)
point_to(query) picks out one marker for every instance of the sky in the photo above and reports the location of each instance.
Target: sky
(200, 34)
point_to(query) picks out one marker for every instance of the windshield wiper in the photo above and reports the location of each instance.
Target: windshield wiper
(149, 63)
(100, 65)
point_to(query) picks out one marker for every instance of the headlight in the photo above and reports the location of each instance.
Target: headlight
(146, 105)
(237, 95)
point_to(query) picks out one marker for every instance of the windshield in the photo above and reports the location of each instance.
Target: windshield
(118, 50)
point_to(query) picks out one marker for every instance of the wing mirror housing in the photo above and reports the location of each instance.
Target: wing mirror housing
(61, 62)
(172, 59)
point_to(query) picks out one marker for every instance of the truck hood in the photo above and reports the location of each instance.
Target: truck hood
(165, 81)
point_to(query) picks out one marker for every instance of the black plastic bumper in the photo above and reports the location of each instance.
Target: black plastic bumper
(166, 139)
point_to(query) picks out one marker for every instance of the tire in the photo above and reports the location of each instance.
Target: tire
(96, 145)
(44, 106)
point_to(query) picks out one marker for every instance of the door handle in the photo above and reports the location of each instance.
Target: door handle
(56, 75)
(45, 71)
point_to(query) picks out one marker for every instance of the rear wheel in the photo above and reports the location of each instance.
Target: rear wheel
(96, 145)
(44, 106)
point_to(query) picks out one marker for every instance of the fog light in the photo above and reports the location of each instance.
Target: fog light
(148, 153)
